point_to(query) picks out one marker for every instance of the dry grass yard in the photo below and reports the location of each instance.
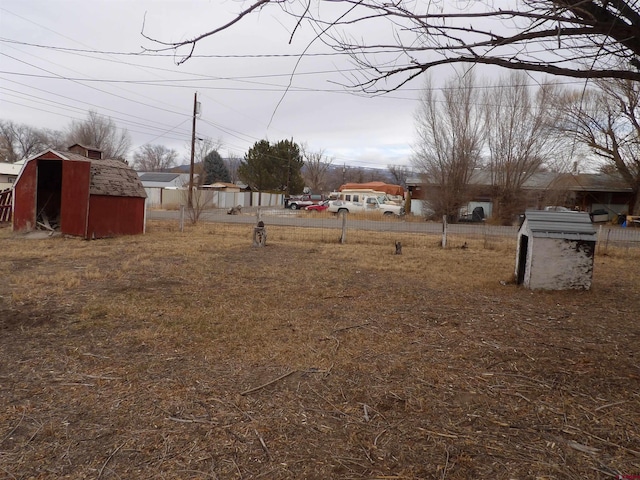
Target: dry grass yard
(196, 356)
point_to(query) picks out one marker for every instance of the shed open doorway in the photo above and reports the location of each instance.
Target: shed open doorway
(49, 192)
(523, 248)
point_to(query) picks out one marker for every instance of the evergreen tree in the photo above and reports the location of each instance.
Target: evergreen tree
(275, 167)
(214, 169)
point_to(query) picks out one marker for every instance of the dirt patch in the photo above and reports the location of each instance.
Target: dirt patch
(196, 356)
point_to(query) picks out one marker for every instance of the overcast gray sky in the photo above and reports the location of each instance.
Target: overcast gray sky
(60, 58)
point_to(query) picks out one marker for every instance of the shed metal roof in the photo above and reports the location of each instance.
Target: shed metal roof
(158, 176)
(569, 225)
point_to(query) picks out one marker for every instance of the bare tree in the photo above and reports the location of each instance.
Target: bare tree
(203, 147)
(399, 173)
(575, 38)
(335, 177)
(55, 139)
(18, 141)
(607, 120)
(518, 138)
(154, 158)
(233, 162)
(449, 129)
(100, 132)
(316, 167)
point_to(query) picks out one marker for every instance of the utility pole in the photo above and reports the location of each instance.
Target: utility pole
(193, 148)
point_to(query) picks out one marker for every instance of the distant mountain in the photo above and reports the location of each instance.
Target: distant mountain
(184, 168)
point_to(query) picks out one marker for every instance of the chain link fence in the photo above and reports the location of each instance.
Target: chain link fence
(323, 227)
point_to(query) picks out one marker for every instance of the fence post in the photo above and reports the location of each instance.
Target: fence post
(444, 231)
(486, 235)
(181, 218)
(343, 235)
(599, 240)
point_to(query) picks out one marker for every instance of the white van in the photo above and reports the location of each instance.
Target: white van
(364, 202)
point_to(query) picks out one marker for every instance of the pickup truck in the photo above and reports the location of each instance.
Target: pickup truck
(365, 204)
(298, 202)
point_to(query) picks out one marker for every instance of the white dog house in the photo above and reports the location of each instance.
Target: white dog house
(555, 250)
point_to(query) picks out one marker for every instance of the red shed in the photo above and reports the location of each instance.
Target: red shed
(80, 193)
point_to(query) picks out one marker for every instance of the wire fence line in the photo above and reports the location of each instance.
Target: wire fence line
(617, 237)
(323, 227)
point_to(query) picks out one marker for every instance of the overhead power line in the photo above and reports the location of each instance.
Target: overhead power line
(160, 54)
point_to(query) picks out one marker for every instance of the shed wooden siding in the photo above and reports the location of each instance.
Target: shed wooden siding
(24, 200)
(110, 216)
(75, 197)
(92, 198)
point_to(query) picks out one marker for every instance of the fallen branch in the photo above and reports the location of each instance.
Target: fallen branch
(446, 465)
(14, 428)
(264, 445)
(190, 420)
(40, 224)
(109, 459)
(609, 405)
(606, 442)
(102, 377)
(255, 389)
(445, 435)
(582, 448)
(96, 356)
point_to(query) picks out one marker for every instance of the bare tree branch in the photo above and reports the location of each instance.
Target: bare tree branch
(606, 121)
(573, 38)
(193, 41)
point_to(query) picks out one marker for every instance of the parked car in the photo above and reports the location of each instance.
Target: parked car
(320, 207)
(364, 203)
(301, 201)
(477, 215)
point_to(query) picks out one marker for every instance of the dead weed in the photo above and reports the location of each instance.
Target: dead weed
(194, 355)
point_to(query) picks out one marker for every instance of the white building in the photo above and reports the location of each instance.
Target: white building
(8, 174)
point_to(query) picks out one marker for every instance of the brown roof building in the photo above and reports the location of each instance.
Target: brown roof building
(588, 191)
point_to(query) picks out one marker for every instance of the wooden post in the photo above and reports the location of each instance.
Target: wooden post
(193, 146)
(181, 218)
(343, 235)
(444, 231)
(599, 239)
(486, 236)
